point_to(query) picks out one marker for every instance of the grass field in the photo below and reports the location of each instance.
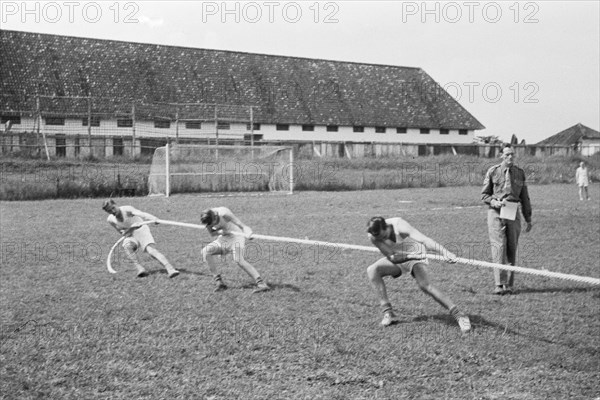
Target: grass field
(71, 330)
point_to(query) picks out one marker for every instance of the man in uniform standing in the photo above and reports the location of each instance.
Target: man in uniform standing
(505, 192)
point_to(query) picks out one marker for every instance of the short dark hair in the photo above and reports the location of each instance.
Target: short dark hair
(207, 217)
(376, 225)
(107, 204)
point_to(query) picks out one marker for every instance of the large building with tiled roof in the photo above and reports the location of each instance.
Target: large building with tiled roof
(51, 78)
(585, 140)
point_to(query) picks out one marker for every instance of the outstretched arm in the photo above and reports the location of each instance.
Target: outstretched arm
(385, 248)
(143, 215)
(114, 225)
(229, 216)
(431, 244)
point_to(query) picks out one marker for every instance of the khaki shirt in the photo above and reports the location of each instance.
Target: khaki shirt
(494, 188)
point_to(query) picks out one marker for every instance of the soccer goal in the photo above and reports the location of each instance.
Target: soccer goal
(181, 168)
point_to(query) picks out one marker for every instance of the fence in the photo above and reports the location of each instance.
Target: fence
(74, 127)
(107, 146)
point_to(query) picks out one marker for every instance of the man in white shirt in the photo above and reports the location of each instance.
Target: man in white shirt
(405, 249)
(231, 236)
(126, 220)
(582, 179)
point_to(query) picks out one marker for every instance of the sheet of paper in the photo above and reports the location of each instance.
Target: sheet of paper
(509, 210)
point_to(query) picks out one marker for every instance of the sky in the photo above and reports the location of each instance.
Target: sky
(528, 68)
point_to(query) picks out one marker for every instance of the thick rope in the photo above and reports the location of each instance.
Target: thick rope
(477, 263)
(549, 274)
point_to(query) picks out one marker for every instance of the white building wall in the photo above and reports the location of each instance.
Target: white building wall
(346, 134)
(589, 147)
(269, 132)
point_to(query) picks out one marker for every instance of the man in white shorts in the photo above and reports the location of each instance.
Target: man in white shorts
(126, 220)
(231, 239)
(405, 250)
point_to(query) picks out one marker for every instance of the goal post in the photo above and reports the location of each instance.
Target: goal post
(187, 168)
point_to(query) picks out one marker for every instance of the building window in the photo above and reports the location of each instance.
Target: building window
(332, 128)
(282, 127)
(147, 146)
(95, 121)
(462, 132)
(193, 125)
(357, 128)
(55, 121)
(400, 130)
(224, 126)
(308, 128)
(61, 146)
(16, 120)
(425, 131)
(250, 138)
(256, 127)
(444, 131)
(117, 146)
(380, 129)
(77, 146)
(124, 123)
(162, 124)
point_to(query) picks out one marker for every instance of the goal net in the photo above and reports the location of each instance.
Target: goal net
(180, 168)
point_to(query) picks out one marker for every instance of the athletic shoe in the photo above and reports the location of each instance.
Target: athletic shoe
(508, 289)
(389, 318)
(173, 274)
(464, 323)
(261, 287)
(499, 290)
(220, 286)
(142, 274)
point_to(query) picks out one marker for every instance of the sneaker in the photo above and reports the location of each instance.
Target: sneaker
(389, 318)
(261, 287)
(499, 289)
(142, 273)
(508, 289)
(464, 323)
(220, 286)
(173, 274)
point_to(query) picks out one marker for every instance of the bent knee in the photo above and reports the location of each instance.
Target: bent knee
(130, 244)
(373, 271)
(211, 250)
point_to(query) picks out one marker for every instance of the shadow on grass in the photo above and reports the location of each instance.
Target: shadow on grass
(274, 286)
(526, 290)
(446, 319)
(182, 271)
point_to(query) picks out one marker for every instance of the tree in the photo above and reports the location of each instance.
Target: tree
(489, 139)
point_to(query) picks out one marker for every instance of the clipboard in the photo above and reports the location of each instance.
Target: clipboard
(509, 210)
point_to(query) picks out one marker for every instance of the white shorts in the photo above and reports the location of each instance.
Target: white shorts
(226, 244)
(407, 267)
(402, 268)
(140, 237)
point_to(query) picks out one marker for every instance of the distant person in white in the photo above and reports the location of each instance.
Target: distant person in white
(126, 220)
(583, 180)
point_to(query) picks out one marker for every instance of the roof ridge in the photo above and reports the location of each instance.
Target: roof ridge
(207, 49)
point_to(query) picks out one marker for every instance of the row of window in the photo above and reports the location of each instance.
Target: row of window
(360, 129)
(166, 124)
